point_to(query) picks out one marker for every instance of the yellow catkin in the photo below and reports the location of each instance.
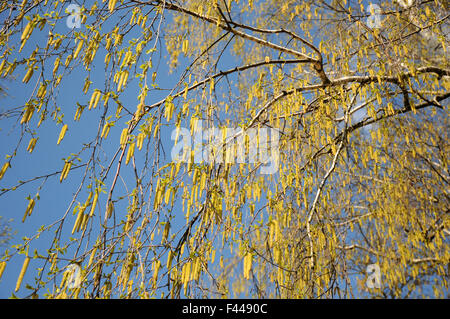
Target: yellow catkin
(78, 49)
(247, 265)
(2, 268)
(62, 133)
(2, 65)
(69, 165)
(28, 75)
(77, 292)
(169, 260)
(22, 273)
(29, 209)
(68, 60)
(106, 99)
(185, 273)
(105, 131)
(195, 264)
(108, 43)
(165, 233)
(156, 266)
(56, 65)
(122, 80)
(86, 86)
(84, 222)
(27, 115)
(42, 91)
(185, 46)
(97, 98)
(76, 226)
(63, 172)
(64, 279)
(26, 31)
(125, 78)
(140, 140)
(125, 59)
(81, 221)
(130, 153)
(110, 209)
(112, 5)
(4, 168)
(124, 137)
(119, 84)
(107, 59)
(93, 97)
(26, 35)
(91, 259)
(88, 200)
(167, 196)
(94, 204)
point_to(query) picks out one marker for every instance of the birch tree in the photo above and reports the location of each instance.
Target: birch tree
(358, 95)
